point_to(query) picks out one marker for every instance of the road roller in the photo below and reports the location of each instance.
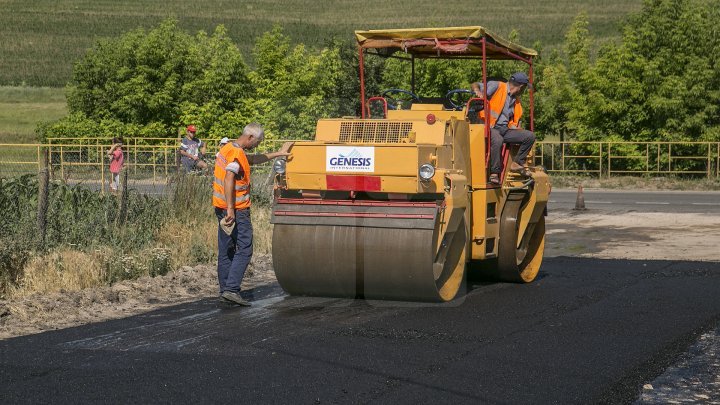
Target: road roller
(395, 204)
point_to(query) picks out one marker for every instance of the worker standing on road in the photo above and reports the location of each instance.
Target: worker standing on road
(192, 150)
(505, 114)
(231, 198)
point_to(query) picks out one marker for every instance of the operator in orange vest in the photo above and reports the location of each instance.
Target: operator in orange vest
(231, 198)
(504, 121)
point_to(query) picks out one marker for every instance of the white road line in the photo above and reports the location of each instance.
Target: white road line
(599, 202)
(652, 203)
(705, 203)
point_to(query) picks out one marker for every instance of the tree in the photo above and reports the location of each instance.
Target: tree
(150, 83)
(661, 82)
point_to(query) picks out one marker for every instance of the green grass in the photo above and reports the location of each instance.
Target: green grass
(21, 108)
(42, 38)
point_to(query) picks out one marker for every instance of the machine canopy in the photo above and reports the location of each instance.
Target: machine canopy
(441, 42)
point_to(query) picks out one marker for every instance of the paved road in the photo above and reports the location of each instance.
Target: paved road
(588, 330)
(644, 201)
(621, 200)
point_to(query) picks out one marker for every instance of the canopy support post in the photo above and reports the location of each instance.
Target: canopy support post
(362, 82)
(412, 77)
(485, 102)
(532, 97)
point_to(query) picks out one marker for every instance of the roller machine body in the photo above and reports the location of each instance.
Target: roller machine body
(400, 208)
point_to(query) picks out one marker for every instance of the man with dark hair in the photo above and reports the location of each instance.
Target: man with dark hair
(504, 121)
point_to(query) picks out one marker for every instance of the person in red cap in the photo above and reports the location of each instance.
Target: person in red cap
(192, 150)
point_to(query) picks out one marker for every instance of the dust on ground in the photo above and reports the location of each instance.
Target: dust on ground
(43, 312)
(633, 235)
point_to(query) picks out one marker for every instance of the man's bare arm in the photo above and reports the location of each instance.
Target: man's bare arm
(229, 186)
(264, 157)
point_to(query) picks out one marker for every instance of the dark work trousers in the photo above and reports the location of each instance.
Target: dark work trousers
(500, 135)
(234, 250)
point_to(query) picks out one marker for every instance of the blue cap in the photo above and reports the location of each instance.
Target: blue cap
(520, 78)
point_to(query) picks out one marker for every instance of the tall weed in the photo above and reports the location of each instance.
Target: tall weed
(86, 245)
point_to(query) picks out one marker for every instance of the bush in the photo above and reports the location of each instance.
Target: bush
(14, 255)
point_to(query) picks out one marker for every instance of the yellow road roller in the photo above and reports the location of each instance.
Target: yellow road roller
(396, 204)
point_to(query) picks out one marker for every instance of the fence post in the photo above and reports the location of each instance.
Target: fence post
(62, 164)
(709, 161)
(101, 152)
(43, 194)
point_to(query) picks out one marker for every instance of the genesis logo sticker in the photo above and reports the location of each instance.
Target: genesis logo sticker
(350, 159)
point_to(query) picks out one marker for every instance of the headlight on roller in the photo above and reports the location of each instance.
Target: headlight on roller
(279, 166)
(426, 172)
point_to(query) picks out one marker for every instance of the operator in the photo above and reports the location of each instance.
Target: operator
(192, 149)
(231, 199)
(505, 114)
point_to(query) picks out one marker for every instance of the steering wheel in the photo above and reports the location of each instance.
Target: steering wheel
(463, 100)
(396, 103)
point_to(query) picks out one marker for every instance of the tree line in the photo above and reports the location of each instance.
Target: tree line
(659, 81)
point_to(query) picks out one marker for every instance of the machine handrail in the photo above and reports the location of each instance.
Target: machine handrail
(375, 98)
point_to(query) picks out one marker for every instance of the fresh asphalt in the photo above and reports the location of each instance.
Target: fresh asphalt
(587, 331)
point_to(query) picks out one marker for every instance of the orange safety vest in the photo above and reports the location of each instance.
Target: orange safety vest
(228, 154)
(496, 105)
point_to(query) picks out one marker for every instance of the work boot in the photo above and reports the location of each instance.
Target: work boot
(234, 298)
(520, 169)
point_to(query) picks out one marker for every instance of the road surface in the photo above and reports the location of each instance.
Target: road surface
(587, 331)
(644, 201)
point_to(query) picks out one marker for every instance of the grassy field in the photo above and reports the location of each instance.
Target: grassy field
(42, 38)
(21, 108)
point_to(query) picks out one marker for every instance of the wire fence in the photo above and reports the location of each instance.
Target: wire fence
(151, 164)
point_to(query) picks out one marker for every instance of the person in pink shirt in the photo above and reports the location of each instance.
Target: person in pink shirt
(117, 158)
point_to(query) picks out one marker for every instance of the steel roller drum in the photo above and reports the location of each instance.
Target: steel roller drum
(374, 251)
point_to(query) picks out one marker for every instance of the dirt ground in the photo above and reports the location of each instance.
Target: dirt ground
(633, 235)
(601, 234)
(37, 313)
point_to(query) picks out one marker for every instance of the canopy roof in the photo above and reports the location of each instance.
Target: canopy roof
(442, 42)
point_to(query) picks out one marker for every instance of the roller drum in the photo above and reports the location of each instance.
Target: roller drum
(328, 251)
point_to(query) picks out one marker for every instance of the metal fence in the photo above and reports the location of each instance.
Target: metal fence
(151, 163)
(607, 159)
(149, 168)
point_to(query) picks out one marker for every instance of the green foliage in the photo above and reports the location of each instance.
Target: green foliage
(149, 84)
(14, 254)
(660, 83)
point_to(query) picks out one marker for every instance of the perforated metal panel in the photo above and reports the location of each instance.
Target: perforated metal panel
(374, 131)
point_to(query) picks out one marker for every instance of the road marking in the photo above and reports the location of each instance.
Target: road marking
(705, 203)
(652, 203)
(599, 202)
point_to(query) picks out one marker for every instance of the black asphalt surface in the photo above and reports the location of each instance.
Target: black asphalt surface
(643, 201)
(587, 331)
